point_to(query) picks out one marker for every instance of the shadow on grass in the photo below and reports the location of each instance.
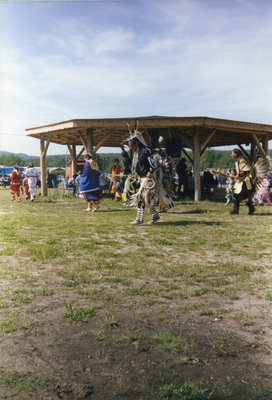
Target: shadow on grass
(262, 214)
(184, 223)
(114, 210)
(190, 212)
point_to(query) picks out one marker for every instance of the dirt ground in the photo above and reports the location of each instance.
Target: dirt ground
(56, 359)
(131, 345)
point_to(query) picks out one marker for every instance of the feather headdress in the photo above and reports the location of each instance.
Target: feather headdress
(136, 135)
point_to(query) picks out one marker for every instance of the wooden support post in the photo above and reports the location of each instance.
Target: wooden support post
(197, 167)
(90, 141)
(252, 151)
(72, 151)
(265, 143)
(43, 151)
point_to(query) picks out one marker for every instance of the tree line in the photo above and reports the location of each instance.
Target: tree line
(210, 159)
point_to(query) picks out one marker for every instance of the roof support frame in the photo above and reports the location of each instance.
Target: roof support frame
(204, 145)
(259, 144)
(188, 155)
(197, 167)
(244, 151)
(44, 144)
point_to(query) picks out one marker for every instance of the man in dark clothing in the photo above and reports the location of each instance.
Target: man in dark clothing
(182, 175)
(141, 168)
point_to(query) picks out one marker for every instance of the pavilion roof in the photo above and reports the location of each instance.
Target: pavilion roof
(110, 132)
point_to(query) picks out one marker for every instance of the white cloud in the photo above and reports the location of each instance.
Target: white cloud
(183, 58)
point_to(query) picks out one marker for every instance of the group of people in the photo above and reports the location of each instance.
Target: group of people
(246, 182)
(29, 186)
(147, 180)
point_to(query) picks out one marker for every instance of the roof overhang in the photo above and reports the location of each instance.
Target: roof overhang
(113, 131)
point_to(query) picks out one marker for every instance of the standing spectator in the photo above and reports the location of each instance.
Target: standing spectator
(72, 183)
(183, 177)
(209, 182)
(15, 183)
(33, 175)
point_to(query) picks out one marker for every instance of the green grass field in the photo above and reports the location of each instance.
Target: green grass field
(94, 308)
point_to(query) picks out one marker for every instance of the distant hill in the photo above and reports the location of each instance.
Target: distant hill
(24, 156)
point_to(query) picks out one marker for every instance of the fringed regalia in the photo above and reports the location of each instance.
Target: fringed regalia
(250, 179)
(15, 184)
(148, 184)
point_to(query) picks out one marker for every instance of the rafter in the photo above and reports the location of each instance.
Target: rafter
(207, 140)
(258, 144)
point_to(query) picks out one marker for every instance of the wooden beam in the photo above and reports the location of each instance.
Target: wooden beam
(197, 167)
(72, 151)
(244, 151)
(187, 142)
(81, 151)
(83, 141)
(258, 144)
(43, 150)
(265, 143)
(101, 142)
(90, 141)
(188, 155)
(46, 146)
(204, 145)
(252, 151)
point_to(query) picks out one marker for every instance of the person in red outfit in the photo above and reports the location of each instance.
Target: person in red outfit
(15, 183)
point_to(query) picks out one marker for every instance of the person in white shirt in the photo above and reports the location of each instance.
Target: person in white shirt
(32, 174)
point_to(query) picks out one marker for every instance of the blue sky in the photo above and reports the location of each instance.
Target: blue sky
(63, 60)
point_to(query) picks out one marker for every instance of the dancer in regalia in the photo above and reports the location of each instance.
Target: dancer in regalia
(15, 183)
(89, 188)
(147, 180)
(243, 187)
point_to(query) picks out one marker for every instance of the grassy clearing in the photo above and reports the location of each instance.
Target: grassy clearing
(127, 307)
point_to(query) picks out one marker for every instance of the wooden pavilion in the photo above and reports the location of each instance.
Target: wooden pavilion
(195, 134)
